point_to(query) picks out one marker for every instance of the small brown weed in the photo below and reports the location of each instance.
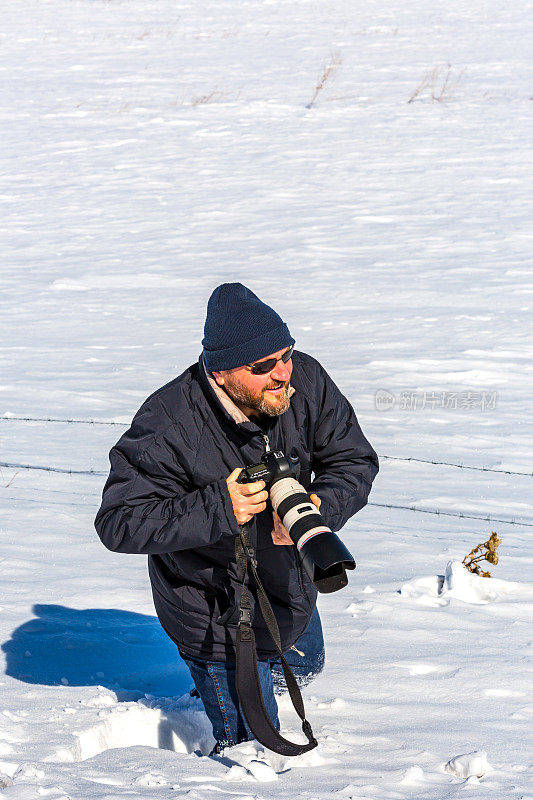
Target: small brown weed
(9, 481)
(439, 83)
(327, 71)
(215, 96)
(487, 551)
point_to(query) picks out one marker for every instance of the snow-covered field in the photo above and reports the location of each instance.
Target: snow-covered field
(152, 149)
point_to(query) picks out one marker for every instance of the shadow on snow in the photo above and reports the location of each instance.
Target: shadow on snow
(100, 647)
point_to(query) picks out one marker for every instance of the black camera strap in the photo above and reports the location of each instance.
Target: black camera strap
(247, 676)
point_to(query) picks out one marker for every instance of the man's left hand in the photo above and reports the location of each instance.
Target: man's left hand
(280, 534)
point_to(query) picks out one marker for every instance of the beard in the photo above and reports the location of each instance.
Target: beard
(272, 406)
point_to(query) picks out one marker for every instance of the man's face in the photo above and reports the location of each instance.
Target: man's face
(259, 394)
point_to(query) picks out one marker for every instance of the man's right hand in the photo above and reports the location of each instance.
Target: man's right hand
(247, 498)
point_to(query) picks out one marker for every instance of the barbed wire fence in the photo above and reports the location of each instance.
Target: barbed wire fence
(126, 425)
(437, 512)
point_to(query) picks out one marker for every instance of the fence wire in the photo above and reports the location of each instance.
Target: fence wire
(460, 514)
(459, 466)
(125, 425)
(9, 465)
(435, 511)
(72, 421)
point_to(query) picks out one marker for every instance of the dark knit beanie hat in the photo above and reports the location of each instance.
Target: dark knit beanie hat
(239, 328)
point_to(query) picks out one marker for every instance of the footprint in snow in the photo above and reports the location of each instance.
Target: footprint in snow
(254, 771)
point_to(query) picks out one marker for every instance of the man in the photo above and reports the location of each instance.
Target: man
(172, 493)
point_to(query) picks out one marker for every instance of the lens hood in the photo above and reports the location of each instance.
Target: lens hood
(326, 559)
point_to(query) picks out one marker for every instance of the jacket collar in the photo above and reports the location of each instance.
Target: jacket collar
(225, 400)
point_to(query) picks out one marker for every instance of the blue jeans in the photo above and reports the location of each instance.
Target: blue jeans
(305, 664)
(215, 683)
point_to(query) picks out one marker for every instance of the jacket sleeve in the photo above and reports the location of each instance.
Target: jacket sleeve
(344, 463)
(146, 504)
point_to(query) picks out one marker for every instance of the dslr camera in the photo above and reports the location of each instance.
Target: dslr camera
(325, 558)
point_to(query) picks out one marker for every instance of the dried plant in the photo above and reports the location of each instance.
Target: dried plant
(10, 481)
(214, 97)
(440, 83)
(487, 551)
(327, 71)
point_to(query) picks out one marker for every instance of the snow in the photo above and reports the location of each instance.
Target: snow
(153, 149)
(470, 765)
(457, 582)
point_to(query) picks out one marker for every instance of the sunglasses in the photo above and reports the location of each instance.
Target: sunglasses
(263, 367)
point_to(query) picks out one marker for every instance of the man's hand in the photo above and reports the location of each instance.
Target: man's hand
(247, 498)
(280, 535)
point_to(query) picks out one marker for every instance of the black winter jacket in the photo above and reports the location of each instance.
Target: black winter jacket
(166, 496)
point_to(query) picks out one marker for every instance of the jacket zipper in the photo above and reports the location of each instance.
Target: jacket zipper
(300, 576)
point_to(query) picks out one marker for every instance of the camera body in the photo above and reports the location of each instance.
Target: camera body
(324, 557)
(274, 467)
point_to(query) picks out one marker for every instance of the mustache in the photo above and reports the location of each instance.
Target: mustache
(277, 385)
